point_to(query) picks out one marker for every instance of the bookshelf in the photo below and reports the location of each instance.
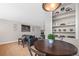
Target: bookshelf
(64, 24)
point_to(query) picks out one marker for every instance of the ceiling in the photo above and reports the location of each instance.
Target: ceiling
(29, 13)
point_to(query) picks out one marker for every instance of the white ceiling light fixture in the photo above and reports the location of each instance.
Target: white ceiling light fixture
(50, 6)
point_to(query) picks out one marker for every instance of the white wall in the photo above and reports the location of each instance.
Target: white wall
(77, 20)
(23, 13)
(48, 25)
(30, 13)
(7, 31)
(11, 30)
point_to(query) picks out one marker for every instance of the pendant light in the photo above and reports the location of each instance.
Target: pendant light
(50, 6)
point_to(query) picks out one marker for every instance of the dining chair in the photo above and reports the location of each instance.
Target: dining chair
(34, 52)
(22, 41)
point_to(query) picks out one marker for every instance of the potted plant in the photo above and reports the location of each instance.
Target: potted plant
(51, 38)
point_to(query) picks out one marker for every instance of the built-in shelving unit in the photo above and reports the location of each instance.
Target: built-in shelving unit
(63, 24)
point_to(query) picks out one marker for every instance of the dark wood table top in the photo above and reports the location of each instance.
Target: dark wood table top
(59, 48)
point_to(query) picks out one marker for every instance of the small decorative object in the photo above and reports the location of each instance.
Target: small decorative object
(68, 9)
(61, 37)
(55, 30)
(71, 29)
(42, 32)
(62, 24)
(59, 29)
(57, 13)
(71, 36)
(51, 38)
(64, 29)
(56, 35)
(62, 9)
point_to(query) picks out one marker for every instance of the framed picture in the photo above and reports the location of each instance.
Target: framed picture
(25, 28)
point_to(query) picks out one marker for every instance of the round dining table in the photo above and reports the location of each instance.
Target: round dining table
(58, 48)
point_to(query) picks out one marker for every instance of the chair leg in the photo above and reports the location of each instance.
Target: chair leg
(23, 43)
(35, 54)
(30, 51)
(19, 42)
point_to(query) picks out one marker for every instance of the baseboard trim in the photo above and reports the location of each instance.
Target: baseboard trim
(1, 43)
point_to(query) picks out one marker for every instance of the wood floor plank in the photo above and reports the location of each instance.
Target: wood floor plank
(13, 49)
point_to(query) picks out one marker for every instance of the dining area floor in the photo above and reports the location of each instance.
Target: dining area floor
(13, 49)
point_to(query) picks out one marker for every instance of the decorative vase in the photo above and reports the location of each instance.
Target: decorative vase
(50, 42)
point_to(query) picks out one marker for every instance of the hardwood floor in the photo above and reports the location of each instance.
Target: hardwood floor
(13, 49)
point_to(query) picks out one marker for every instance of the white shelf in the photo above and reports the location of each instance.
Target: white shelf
(63, 32)
(64, 13)
(64, 39)
(63, 26)
(57, 38)
(69, 16)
